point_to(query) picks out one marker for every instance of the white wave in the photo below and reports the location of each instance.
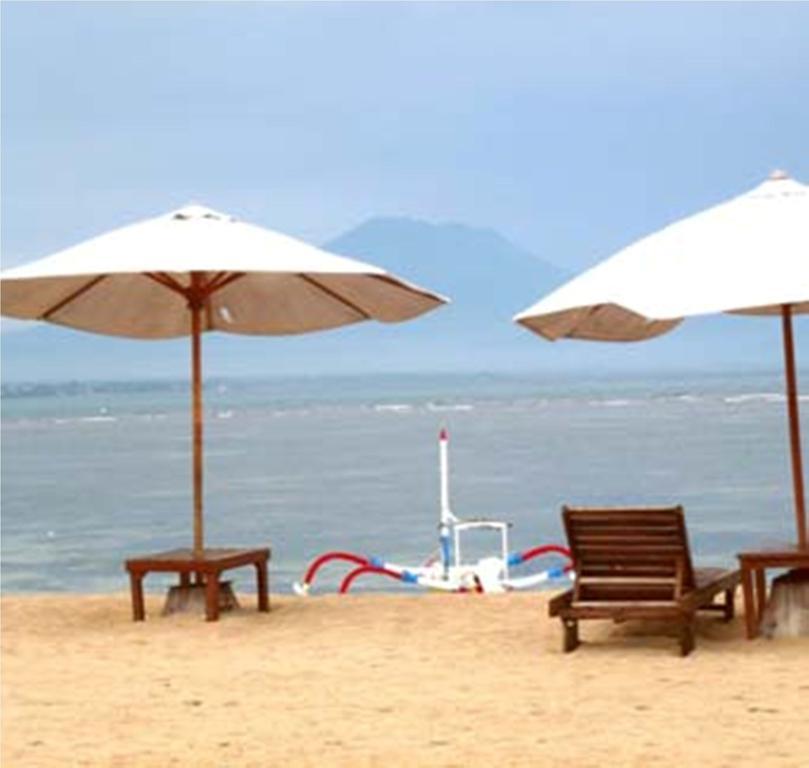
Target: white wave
(457, 407)
(393, 408)
(755, 397)
(86, 420)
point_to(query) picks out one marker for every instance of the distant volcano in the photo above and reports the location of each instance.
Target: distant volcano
(484, 274)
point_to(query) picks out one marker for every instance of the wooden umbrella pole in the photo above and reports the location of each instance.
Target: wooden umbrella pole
(794, 424)
(195, 302)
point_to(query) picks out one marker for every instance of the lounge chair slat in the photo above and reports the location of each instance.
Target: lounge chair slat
(616, 559)
(647, 550)
(624, 537)
(608, 580)
(627, 567)
(653, 518)
(627, 523)
(607, 512)
(624, 604)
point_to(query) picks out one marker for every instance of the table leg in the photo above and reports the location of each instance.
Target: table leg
(749, 604)
(136, 584)
(185, 579)
(262, 586)
(211, 596)
(761, 595)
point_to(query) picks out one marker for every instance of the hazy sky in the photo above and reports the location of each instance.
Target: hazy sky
(571, 128)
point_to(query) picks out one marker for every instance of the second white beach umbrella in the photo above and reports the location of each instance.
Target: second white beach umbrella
(196, 270)
(749, 255)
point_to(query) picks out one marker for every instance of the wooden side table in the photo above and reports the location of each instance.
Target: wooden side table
(208, 567)
(754, 565)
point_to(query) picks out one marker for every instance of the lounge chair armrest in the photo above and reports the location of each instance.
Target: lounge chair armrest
(559, 602)
(706, 592)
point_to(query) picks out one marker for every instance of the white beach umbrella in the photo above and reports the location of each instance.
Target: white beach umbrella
(196, 270)
(749, 255)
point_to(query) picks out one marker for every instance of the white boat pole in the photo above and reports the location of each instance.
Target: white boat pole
(443, 443)
(446, 516)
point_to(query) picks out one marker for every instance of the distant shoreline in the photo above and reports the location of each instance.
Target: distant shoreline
(45, 387)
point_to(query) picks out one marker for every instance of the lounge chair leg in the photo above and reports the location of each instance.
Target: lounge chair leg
(730, 608)
(571, 641)
(686, 637)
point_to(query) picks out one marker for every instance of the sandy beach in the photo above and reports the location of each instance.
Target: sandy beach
(444, 680)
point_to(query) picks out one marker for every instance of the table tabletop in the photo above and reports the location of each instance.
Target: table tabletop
(187, 556)
(773, 554)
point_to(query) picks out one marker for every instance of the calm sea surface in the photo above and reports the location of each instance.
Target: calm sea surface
(92, 474)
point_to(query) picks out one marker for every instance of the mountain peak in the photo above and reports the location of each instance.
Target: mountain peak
(407, 226)
(410, 246)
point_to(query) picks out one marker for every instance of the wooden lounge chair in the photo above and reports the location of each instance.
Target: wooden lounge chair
(635, 564)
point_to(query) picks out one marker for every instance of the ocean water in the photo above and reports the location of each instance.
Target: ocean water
(95, 473)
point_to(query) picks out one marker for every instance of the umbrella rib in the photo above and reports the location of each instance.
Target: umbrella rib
(211, 283)
(221, 280)
(72, 297)
(167, 282)
(334, 295)
(402, 285)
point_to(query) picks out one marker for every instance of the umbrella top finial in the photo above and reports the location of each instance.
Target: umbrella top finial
(779, 184)
(196, 211)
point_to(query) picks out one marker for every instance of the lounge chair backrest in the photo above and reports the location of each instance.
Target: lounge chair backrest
(629, 554)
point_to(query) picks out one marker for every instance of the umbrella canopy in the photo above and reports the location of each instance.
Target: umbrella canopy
(251, 280)
(195, 270)
(749, 255)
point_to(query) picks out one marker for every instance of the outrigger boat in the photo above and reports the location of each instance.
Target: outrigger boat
(446, 569)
